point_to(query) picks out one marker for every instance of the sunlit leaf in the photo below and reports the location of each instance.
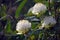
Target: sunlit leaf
(20, 8)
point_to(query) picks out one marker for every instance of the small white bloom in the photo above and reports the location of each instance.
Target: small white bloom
(48, 21)
(23, 26)
(38, 8)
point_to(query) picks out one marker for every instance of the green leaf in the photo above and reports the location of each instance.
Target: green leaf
(40, 35)
(8, 26)
(20, 8)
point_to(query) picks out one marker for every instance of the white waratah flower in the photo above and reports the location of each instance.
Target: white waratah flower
(38, 8)
(48, 21)
(23, 26)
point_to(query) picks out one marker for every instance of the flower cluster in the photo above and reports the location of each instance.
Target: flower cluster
(38, 8)
(23, 26)
(48, 21)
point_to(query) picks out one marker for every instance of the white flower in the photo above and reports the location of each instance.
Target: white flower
(23, 26)
(38, 8)
(48, 22)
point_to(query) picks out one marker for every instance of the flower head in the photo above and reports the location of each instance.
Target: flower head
(48, 22)
(23, 26)
(38, 8)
